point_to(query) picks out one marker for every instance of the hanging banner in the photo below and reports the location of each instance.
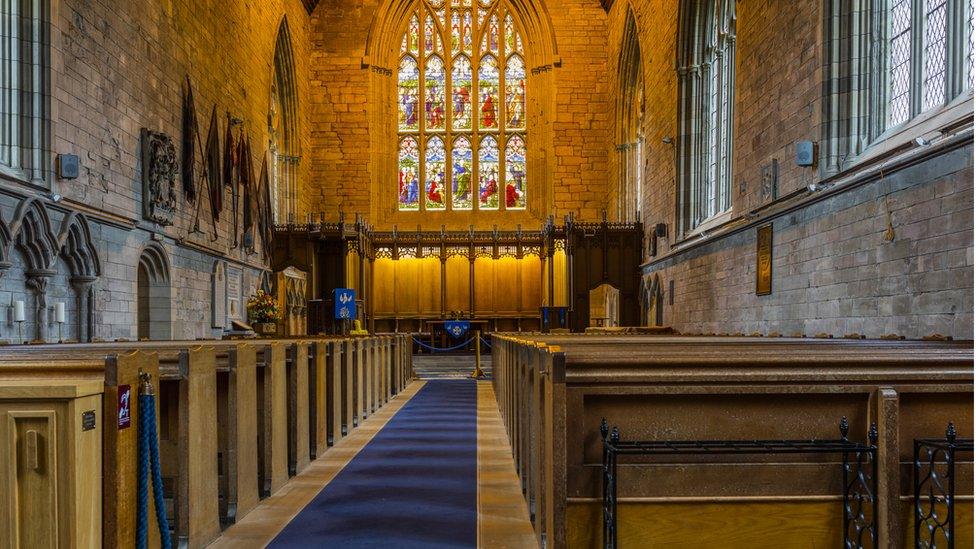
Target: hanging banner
(457, 328)
(345, 303)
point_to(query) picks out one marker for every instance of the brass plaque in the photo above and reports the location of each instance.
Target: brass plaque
(88, 420)
(764, 260)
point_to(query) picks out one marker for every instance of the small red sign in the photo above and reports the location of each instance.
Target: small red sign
(125, 409)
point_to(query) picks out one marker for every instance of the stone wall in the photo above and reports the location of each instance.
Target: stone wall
(117, 67)
(834, 270)
(353, 163)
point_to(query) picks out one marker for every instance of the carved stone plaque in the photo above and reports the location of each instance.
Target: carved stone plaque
(764, 260)
(219, 295)
(234, 303)
(159, 174)
(770, 182)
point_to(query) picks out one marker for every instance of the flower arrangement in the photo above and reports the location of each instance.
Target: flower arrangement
(262, 308)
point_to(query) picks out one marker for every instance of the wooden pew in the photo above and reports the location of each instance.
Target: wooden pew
(552, 391)
(255, 416)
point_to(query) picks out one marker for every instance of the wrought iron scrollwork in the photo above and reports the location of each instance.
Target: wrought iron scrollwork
(935, 488)
(859, 467)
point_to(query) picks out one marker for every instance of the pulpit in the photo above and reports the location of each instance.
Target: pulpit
(291, 285)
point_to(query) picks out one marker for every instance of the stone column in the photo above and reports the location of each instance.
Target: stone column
(85, 298)
(37, 282)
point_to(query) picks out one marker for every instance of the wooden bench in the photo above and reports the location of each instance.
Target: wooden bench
(256, 410)
(553, 390)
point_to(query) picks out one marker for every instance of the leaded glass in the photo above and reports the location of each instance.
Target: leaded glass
(462, 174)
(515, 92)
(488, 174)
(899, 61)
(409, 77)
(935, 53)
(413, 35)
(434, 176)
(462, 88)
(409, 174)
(515, 173)
(488, 93)
(462, 82)
(434, 87)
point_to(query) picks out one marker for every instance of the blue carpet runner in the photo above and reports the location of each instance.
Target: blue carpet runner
(414, 485)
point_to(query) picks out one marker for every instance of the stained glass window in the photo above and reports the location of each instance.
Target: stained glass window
(462, 107)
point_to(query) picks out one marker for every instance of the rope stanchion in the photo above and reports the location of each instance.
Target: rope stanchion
(149, 463)
(477, 373)
(444, 349)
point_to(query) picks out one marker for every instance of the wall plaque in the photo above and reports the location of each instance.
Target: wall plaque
(234, 305)
(764, 260)
(159, 169)
(219, 296)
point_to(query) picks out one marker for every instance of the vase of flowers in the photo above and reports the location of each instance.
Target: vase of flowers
(263, 312)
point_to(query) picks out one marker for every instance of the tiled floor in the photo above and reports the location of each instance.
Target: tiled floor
(503, 517)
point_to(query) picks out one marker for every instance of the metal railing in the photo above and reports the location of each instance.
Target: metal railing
(859, 466)
(935, 475)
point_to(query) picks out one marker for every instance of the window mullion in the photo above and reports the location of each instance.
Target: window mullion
(917, 78)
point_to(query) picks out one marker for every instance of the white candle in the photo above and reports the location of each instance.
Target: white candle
(59, 312)
(19, 311)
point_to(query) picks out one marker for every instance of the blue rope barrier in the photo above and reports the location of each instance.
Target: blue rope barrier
(444, 350)
(149, 463)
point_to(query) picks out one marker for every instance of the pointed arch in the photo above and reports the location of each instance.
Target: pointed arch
(532, 17)
(284, 129)
(154, 294)
(77, 248)
(33, 235)
(630, 112)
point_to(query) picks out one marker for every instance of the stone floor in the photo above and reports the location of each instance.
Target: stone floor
(448, 366)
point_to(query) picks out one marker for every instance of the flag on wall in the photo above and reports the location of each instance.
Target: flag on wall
(189, 136)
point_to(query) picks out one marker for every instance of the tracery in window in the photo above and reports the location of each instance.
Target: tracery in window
(706, 71)
(462, 108)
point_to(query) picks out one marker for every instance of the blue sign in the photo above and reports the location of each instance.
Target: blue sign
(345, 303)
(457, 328)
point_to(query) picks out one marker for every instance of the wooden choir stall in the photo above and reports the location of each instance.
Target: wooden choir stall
(518, 280)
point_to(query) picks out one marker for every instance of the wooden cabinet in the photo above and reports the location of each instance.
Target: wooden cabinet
(50, 463)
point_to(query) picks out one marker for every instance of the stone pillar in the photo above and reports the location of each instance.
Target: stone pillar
(37, 282)
(85, 297)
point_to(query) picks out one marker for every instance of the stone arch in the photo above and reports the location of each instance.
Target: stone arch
(79, 253)
(33, 234)
(77, 248)
(630, 111)
(284, 128)
(652, 300)
(381, 58)
(6, 239)
(154, 295)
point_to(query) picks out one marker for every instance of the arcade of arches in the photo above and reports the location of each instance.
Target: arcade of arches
(307, 221)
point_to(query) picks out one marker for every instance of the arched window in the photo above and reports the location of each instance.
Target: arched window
(630, 113)
(461, 102)
(706, 72)
(283, 129)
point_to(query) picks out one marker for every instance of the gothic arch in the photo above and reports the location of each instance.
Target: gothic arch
(32, 232)
(77, 248)
(6, 239)
(154, 295)
(284, 129)
(630, 111)
(381, 58)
